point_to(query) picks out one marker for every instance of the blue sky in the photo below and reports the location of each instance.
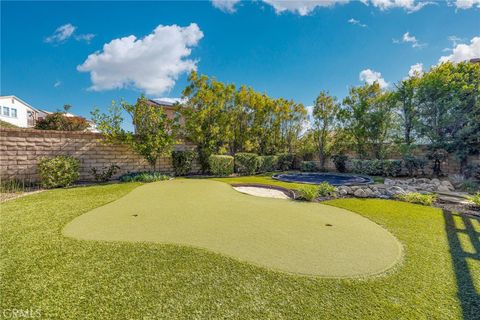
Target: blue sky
(287, 49)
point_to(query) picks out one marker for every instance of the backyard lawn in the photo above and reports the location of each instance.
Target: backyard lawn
(438, 277)
(266, 179)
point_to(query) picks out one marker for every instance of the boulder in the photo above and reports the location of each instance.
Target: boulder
(389, 182)
(442, 188)
(435, 181)
(448, 184)
(368, 192)
(359, 193)
(395, 190)
(342, 192)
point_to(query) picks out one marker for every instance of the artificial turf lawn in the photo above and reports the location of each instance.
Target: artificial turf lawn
(285, 235)
(267, 179)
(69, 279)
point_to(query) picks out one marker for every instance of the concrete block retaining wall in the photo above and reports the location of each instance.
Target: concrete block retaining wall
(20, 150)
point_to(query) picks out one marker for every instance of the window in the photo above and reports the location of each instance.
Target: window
(13, 113)
(6, 111)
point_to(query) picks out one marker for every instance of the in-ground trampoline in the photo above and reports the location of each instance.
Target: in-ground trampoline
(335, 179)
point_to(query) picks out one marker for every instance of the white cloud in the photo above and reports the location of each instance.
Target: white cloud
(369, 76)
(408, 5)
(306, 7)
(151, 64)
(416, 70)
(408, 38)
(57, 84)
(65, 32)
(467, 4)
(302, 7)
(462, 52)
(356, 22)
(225, 5)
(61, 34)
(168, 100)
(85, 37)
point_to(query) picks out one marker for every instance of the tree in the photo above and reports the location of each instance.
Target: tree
(449, 108)
(154, 134)
(325, 112)
(60, 121)
(407, 103)
(367, 117)
(205, 116)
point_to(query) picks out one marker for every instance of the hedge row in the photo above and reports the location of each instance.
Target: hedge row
(390, 168)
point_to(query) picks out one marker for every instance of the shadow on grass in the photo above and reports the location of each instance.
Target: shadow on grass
(467, 293)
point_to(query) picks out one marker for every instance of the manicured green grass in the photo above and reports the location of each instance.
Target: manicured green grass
(265, 179)
(70, 279)
(285, 235)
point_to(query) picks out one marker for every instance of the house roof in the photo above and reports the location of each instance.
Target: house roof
(20, 100)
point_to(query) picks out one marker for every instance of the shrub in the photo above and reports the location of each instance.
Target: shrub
(246, 163)
(325, 189)
(414, 165)
(267, 163)
(340, 161)
(473, 171)
(308, 166)
(469, 186)
(419, 198)
(475, 199)
(392, 168)
(285, 161)
(437, 156)
(308, 192)
(59, 171)
(221, 165)
(377, 167)
(106, 174)
(182, 161)
(148, 176)
(59, 121)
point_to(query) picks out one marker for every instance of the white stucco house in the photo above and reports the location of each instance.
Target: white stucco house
(17, 112)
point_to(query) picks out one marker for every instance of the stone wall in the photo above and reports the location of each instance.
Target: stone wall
(20, 149)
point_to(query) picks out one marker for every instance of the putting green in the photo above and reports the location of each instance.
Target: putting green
(285, 235)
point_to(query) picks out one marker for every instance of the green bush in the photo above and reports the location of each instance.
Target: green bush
(308, 166)
(475, 199)
(340, 161)
(268, 163)
(419, 198)
(414, 165)
(472, 171)
(308, 192)
(246, 163)
(105, 174)
(285, 161)
(144, 177)
(59, 171)
(221, 165)
(376, 167)
(182, 161)
(325, 189)
(469, 186)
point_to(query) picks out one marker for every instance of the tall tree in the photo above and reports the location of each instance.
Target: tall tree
(325, 112)
(367, 116)
(154, 134)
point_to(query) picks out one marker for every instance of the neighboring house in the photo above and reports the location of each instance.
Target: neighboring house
(17, 112)
(168, 106)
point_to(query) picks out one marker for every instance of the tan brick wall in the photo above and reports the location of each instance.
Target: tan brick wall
(20, 149)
